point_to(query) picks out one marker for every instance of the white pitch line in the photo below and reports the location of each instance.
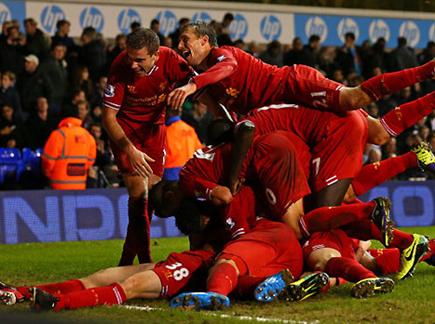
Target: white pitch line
(237, 317)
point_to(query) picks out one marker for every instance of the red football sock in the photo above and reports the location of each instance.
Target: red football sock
(137, 240)
(401, 239)
(107, 295)
(387, 260)
(431, 251)
(363, 230)
(328, 218)
(406, 115)
(223, 279)
(347, 268)
(56, 288)
(387, 83)
(374, 174)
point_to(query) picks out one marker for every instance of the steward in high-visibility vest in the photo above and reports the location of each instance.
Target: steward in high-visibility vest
(181, 143)
(68, 154)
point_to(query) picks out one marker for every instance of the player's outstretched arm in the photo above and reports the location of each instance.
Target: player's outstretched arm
(243, 137)
(139, 160)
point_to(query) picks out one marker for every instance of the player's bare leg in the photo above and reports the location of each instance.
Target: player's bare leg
(332, 195)
(143, 284)
(115, 274)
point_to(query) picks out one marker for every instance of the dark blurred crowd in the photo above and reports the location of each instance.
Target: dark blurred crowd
(47, 77)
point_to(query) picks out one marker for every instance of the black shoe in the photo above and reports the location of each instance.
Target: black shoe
(42, 301)
(381, 217)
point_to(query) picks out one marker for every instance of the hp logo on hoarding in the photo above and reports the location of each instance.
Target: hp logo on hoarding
(411, 32)
(238, 27)
(125, 18)
(5, 14)
(50, 15)
(270, 27)
(92, 17)
(379, 28)
(168, 22)
(201, 16)
(316, 26)
(347, 25)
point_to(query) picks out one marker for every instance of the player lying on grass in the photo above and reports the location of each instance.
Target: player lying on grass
(263, 247)
(343, 259)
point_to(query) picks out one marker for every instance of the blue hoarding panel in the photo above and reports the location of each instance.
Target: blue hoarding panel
(101, 214)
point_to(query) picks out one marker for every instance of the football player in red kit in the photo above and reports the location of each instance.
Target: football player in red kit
(242, 82)
(140, 79)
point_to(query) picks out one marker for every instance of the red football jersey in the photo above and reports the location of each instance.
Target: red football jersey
(241, 81)
(143, 98)
(208, 168)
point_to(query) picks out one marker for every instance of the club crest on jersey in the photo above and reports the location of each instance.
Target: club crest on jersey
(109, 91)
(163, 85)
(232, 92)
(131, 89)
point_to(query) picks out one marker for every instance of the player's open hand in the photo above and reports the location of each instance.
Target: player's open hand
(139, 162)
(221, 195)
(177, 97)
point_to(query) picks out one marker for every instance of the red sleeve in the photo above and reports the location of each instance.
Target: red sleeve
(224, 64)
(196, 187)
(114, 91)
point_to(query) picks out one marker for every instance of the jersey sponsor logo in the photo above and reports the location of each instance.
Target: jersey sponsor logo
(109, 91)
(168, 22)
(125, 18)
(431, 35)
(316, 26)
(411, 32)
(5, 13)
(201, 16)
(270, 27)
(347, 25)
(49, 17)
(221, 58)
(238, 27)
(92, 17)
(379, 28)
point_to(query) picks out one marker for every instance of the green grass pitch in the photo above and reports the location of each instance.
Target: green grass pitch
(413, 300)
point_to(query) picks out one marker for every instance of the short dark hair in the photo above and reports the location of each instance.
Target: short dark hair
(349, 35)
(62, 22)
(220, 130)
(189, 216)
(314, 38)
(143, 37)
(401, 41)
(201, 28)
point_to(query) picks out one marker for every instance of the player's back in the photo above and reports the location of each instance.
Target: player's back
(254, 83)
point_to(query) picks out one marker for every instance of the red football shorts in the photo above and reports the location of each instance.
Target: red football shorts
(308, 86)
(280, 179)
(182, 270)
(339, 154)
(334, 239)
(147, 138)
(269, 248)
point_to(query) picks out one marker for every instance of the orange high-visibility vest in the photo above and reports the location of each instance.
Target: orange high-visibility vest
(181, 143)
(68, 154)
